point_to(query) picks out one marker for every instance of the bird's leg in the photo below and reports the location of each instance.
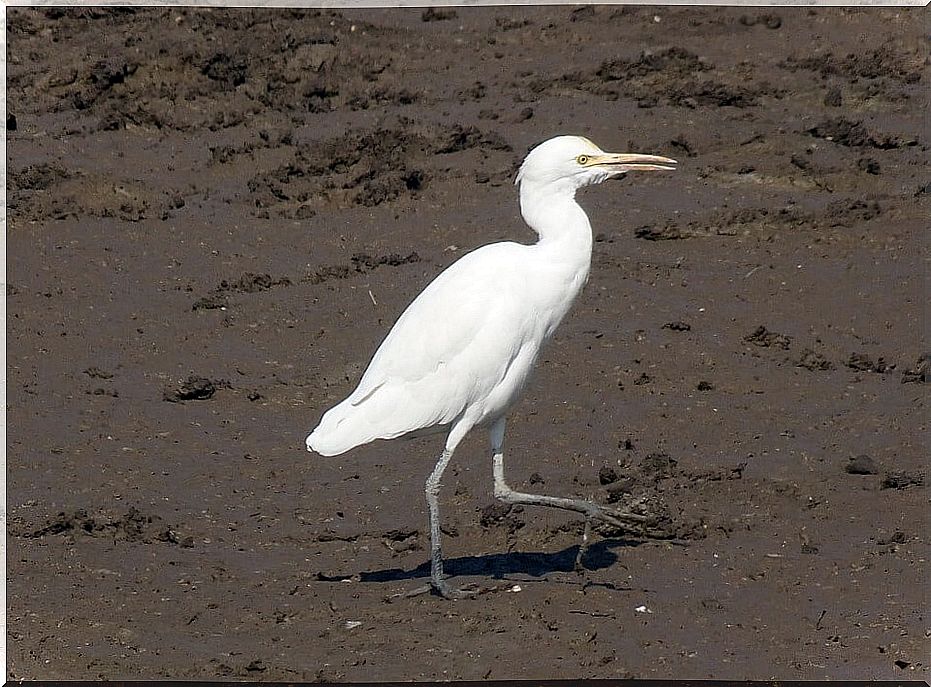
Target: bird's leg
(432, 491)
(583, 547)
(505, 493)
(592, 511)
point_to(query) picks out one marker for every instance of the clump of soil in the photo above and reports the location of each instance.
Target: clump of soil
(678, 326)
(902, 479)
(132, 526)
(607, 475)
(437, 14)
(854, 134)
(363, 262)
(814, 361)
(770, 20)
(864, 363)
(666, 77)
(503, 515)
(249, 282)
(765, 338)
(194, 388)
(884, 61)
(253, 283)
(920, 372)
(861, 465)
(366, 169)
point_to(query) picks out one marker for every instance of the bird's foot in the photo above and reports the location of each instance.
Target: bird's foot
(621, 519)
(442, 589)
(579, 565)
(454, 594)
(470, 591)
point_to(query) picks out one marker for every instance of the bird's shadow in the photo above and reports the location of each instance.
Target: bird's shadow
(498, 565)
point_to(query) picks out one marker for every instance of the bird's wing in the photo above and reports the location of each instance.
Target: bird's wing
(450, 348)
(473, 304)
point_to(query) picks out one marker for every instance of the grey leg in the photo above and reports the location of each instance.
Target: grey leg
(505, 493)
(591, 511)
(583, 547)
(432, 490)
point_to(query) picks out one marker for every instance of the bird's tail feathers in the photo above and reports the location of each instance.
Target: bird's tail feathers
(346, 426)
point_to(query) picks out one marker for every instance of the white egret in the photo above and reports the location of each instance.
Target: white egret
(460, 354)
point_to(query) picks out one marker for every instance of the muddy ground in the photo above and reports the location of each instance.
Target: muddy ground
(215, 216)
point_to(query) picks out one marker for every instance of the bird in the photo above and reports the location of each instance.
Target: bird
(459, 356)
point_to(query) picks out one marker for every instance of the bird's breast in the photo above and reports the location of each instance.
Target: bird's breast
(556, 296)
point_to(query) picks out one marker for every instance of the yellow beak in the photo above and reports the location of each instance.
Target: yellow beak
(628, 162)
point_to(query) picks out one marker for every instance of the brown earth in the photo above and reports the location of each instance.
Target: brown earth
(214, 217)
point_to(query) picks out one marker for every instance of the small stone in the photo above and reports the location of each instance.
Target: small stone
(194, 389)
(607, 475)
(678, 326)
(861, 465)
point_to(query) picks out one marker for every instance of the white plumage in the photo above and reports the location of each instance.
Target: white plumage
(461, 353)
(466, 343)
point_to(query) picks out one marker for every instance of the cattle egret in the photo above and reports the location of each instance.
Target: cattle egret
(460, 354)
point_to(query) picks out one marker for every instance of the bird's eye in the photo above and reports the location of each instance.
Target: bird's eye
(582, 159)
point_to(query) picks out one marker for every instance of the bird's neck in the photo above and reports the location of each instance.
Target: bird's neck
(562, 225)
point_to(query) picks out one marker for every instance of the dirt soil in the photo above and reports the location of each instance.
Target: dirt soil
(214, 218)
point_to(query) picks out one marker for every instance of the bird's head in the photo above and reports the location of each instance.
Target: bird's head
(574, 162)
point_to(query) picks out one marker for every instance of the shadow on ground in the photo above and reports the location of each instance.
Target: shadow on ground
(498, 565)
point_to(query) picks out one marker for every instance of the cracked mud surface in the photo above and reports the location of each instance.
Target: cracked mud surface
(215, 216)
